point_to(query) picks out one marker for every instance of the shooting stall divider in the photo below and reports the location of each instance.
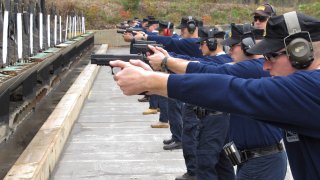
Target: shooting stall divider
(39, 158)
(21, 76)
(47, 64)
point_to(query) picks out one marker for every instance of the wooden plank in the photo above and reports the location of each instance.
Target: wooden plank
(39, 158)
(102, 49)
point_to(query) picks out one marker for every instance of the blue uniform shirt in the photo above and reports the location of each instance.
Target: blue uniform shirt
(151, 33)
(186, 46)
(219, 60)
(176, 36)
(244, 131)
(211, 60)
(290, 102)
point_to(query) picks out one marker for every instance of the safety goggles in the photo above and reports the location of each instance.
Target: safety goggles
(260, 18)
(271, 56)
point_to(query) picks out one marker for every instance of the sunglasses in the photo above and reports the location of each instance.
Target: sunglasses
(271, 56)
(260, 18)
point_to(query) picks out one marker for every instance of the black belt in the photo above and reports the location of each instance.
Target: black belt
(202, 112)
(259, 152)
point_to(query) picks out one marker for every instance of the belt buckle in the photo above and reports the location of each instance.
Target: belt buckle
(203, 112)
(200, 112)
(196, 111)
(247, 154)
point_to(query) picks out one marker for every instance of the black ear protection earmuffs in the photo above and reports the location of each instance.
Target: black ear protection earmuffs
(212, 42)
(247, 39)
(298, 44)
(167, 32)
(191, 25)
(273, 13)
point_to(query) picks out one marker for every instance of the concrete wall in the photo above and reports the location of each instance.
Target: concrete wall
(110, 37)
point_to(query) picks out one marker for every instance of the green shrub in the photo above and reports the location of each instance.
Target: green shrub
(312, 9)
(130, 5)
(231, 15)
(107, 13)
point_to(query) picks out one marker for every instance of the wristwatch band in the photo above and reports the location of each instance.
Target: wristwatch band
(164, 67)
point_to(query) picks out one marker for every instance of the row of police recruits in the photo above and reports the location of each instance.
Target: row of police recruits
(169, 108)
(236, 104)
(151, 26)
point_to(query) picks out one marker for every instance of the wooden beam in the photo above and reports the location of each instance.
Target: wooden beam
(39, 158)
(102, 49)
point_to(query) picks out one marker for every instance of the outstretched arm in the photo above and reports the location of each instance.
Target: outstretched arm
(157, 60)
(136, 78)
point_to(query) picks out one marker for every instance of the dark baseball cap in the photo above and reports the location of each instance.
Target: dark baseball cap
(164, 25)
(151, 18)
(264, 10)
(152, 21)
(186, 19)
(206, 33)
(276, 32)
(234, 35)
(145, 20)
(237, 33)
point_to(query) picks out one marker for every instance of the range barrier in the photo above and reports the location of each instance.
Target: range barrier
(37, 48)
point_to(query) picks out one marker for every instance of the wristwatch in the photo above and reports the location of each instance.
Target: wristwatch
(164, 67)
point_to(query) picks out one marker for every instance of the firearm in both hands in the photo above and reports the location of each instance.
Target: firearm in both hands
(144, 48)
(129, 30)
(145, 42)
(123, 27)
(104, 60)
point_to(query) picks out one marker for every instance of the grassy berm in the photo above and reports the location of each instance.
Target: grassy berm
(105, 14)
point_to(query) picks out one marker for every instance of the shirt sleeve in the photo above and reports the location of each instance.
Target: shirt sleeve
(245, 69)
(152, 33)
(205, 59)
(186, 57)
(185, 46)
(277, 100)
(165, 40)
(181, 56)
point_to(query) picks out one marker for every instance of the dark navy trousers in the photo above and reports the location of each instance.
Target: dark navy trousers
(189, 141)
(153, 102)
(272, 166)
(211, 159)
(175, 118)
(202, 143)
(163, 105)
(156, 101)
